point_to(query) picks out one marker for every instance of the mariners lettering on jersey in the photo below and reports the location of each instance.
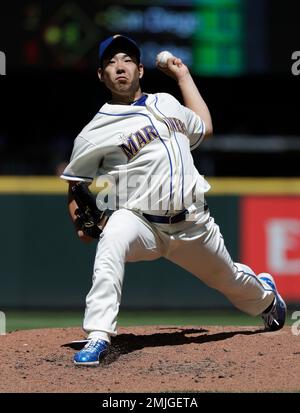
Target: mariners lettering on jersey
(133, 143)
(176, 125)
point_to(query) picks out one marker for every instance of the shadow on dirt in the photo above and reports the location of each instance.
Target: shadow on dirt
(128, 343)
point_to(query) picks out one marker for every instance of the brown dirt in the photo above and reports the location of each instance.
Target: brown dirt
(154, 359)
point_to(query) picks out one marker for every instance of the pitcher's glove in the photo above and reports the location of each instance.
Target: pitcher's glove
(86, 224)
(90, 219)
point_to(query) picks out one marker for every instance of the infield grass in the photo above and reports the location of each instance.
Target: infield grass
(23, 320)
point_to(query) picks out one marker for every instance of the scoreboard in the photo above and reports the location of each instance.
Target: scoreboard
(214, 37)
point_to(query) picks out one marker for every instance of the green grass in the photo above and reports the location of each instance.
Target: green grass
(22, 320)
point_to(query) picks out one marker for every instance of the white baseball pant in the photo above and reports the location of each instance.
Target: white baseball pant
(197, 246)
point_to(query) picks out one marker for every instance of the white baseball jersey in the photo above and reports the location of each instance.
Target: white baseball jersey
(145, 151)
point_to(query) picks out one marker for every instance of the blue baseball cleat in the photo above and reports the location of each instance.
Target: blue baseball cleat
(273, 319)
(91, 353)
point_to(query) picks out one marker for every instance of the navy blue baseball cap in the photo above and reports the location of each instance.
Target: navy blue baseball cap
(118, 41)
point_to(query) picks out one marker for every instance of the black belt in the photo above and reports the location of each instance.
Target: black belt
(163, 219)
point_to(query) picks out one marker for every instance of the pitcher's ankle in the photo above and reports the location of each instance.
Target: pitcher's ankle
(102, 335)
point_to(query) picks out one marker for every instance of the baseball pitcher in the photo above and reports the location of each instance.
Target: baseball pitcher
(138, 147)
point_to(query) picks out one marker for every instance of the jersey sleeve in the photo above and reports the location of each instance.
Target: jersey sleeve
(84, 161)
(195, 127)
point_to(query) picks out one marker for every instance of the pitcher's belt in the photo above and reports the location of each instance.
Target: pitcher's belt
(163, 219)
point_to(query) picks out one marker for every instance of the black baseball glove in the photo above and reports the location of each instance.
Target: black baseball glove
(90, 219)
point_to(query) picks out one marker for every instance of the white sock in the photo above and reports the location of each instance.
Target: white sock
(102, 335)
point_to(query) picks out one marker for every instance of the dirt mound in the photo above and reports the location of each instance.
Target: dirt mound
(154, 359)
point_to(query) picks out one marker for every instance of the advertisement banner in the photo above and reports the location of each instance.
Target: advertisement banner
(270, 240)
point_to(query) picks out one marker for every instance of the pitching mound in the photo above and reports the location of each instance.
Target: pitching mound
(154, 359)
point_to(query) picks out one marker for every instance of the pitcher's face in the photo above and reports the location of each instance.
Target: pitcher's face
(121, 74)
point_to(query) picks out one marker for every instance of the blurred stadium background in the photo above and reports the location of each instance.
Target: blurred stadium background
(240, 53)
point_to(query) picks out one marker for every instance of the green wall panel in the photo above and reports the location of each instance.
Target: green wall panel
(44, 265)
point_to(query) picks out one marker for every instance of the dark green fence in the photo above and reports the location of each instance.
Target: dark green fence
(44, 265)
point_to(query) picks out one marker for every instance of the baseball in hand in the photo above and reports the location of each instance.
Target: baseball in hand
(162, 58)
